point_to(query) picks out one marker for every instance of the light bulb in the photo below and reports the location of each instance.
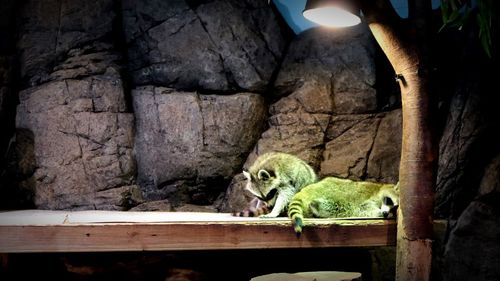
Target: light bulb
(332, 16)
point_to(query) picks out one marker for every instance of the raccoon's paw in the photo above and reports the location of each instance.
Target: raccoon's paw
(252, 212)
(255, 208)
(238, 214)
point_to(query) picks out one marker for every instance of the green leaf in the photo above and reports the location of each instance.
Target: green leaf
(484, 23)
(454, 16)
(445, 10)
(486, 45)
(456, 13)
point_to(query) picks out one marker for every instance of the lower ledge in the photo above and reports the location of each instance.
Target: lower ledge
(108, 231)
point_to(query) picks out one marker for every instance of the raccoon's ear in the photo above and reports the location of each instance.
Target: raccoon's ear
(263, 175)
(247, 175)
(396, 187)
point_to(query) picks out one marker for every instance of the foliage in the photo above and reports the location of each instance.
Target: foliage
(457, 13)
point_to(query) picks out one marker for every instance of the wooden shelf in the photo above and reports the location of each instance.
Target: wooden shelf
(104, 231)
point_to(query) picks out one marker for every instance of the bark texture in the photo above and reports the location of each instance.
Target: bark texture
(418, 152)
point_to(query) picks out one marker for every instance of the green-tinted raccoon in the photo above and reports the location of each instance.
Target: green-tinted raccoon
(273, 179)
(335, 197)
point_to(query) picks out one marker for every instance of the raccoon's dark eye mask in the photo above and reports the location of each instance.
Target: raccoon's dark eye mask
(270, 195)
(387, 201)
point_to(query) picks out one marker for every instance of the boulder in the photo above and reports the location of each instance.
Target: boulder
(188, 145)
(83, 139)
(211, 45)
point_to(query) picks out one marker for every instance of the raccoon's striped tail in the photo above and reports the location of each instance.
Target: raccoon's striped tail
(296, 214)
(297, 226)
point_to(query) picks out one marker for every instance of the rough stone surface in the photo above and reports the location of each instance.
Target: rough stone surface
(296, 126)
(491, 179)
(347, 154)
(17, 184)
(465, 136)
(364, 147)
(52, 28)
(7, 101)
(473, 249)
(384, 158)
(159, 205)
(314, 84)
(211, 45)
(340, 62)
(93, 59)
(7, 83)
(83, 141)
(6, 63)
(236, 197)
(189, 145)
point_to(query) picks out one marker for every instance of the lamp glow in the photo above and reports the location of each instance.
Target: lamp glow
(330, 13)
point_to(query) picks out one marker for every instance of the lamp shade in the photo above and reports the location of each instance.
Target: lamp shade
(332, 13)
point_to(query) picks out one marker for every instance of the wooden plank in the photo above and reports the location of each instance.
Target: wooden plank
(49, 231)
(311, 275)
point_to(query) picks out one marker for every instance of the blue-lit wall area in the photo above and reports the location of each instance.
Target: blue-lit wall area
(292, 12)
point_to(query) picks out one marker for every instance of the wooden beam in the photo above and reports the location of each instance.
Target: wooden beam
(104, 231)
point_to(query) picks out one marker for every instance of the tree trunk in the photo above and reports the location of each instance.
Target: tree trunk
(419, 149)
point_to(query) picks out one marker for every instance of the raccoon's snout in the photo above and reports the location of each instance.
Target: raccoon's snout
(270, 195)
(389, 211)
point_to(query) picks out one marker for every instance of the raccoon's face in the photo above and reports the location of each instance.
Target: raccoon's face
(390, 202)
(388, 208)
(263, 185)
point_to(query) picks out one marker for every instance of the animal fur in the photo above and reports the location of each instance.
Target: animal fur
(273, 179)
(335, 197)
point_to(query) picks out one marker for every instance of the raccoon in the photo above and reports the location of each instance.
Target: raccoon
(256, 208)
(335, 197)
(273, 179)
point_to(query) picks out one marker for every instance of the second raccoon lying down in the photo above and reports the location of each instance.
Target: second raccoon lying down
(335, 197)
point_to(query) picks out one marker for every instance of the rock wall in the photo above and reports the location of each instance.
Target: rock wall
(127, 103)
(12, 196)
(204, 45)
(160, 105)
(75, 106)
(467, 191)
(188, 146)
(83, 140)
